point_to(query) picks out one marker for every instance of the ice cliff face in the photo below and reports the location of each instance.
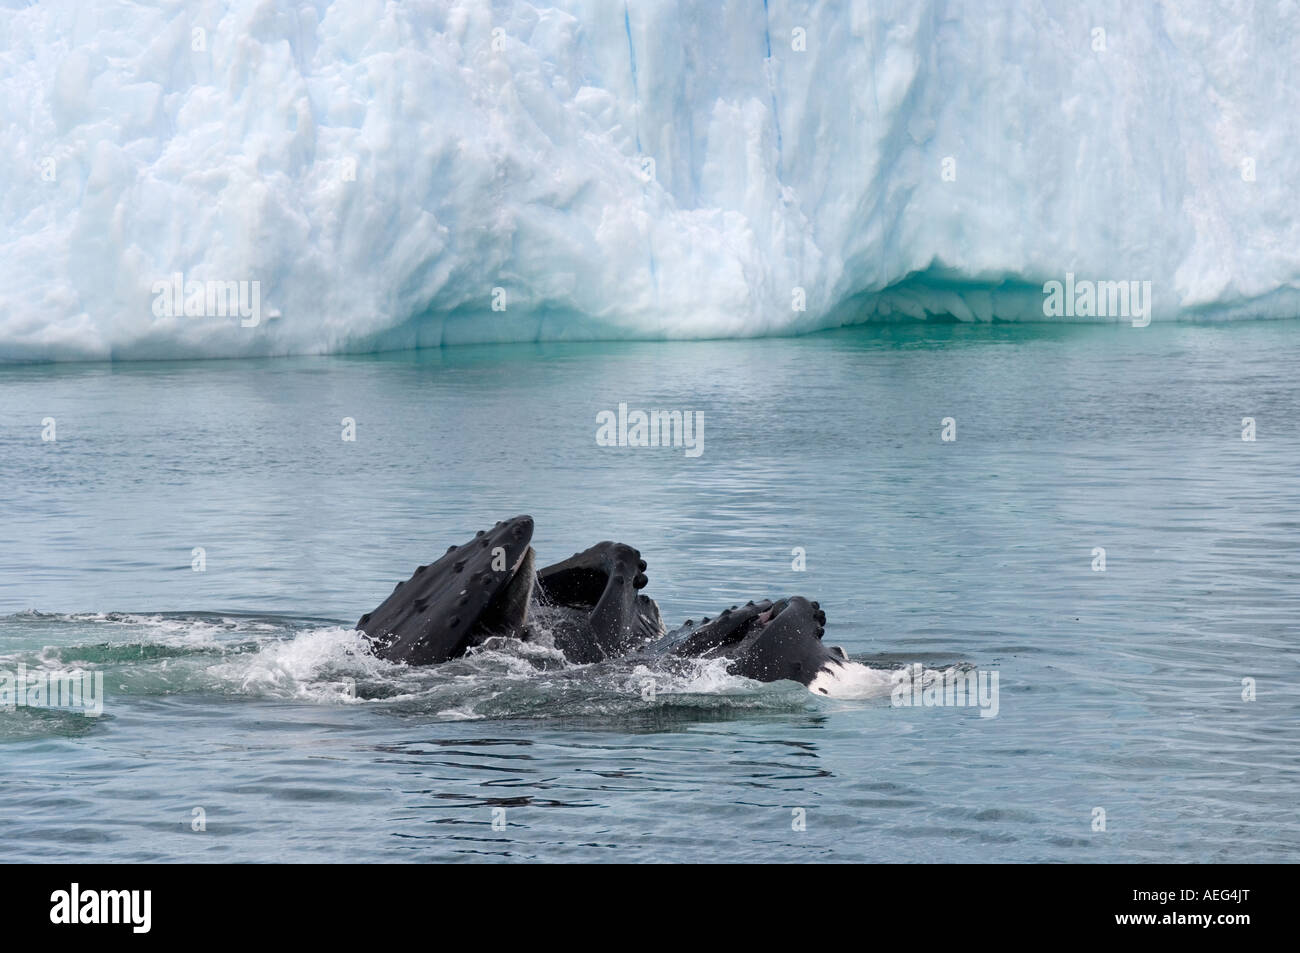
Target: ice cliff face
(393, 174)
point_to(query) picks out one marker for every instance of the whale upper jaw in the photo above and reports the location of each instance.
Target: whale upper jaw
(476, 590)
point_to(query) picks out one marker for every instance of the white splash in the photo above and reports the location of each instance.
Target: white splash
(851, 680)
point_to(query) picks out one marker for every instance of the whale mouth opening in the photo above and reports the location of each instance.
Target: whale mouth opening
(581, 587)
(765, 618)
(577, 588)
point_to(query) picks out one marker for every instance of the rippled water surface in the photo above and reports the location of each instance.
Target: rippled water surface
(241, 690)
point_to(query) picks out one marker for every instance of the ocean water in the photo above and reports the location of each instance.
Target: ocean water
(239, 694)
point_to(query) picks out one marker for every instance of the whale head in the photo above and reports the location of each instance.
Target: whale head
(476, 590)
(604, 612)
(767, 641)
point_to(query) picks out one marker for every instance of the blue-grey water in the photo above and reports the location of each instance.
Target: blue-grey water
(239, 690)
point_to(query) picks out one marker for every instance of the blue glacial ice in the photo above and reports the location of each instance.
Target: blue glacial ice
(640, 169)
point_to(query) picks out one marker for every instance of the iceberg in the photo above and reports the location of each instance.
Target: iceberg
(388, 175)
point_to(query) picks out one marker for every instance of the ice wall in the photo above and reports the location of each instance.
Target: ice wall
(648, 169)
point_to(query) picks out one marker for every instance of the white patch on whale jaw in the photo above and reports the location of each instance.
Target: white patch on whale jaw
(851, 680)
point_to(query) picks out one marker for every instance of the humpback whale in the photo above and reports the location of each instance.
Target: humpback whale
(766, 641)
(590, 605)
